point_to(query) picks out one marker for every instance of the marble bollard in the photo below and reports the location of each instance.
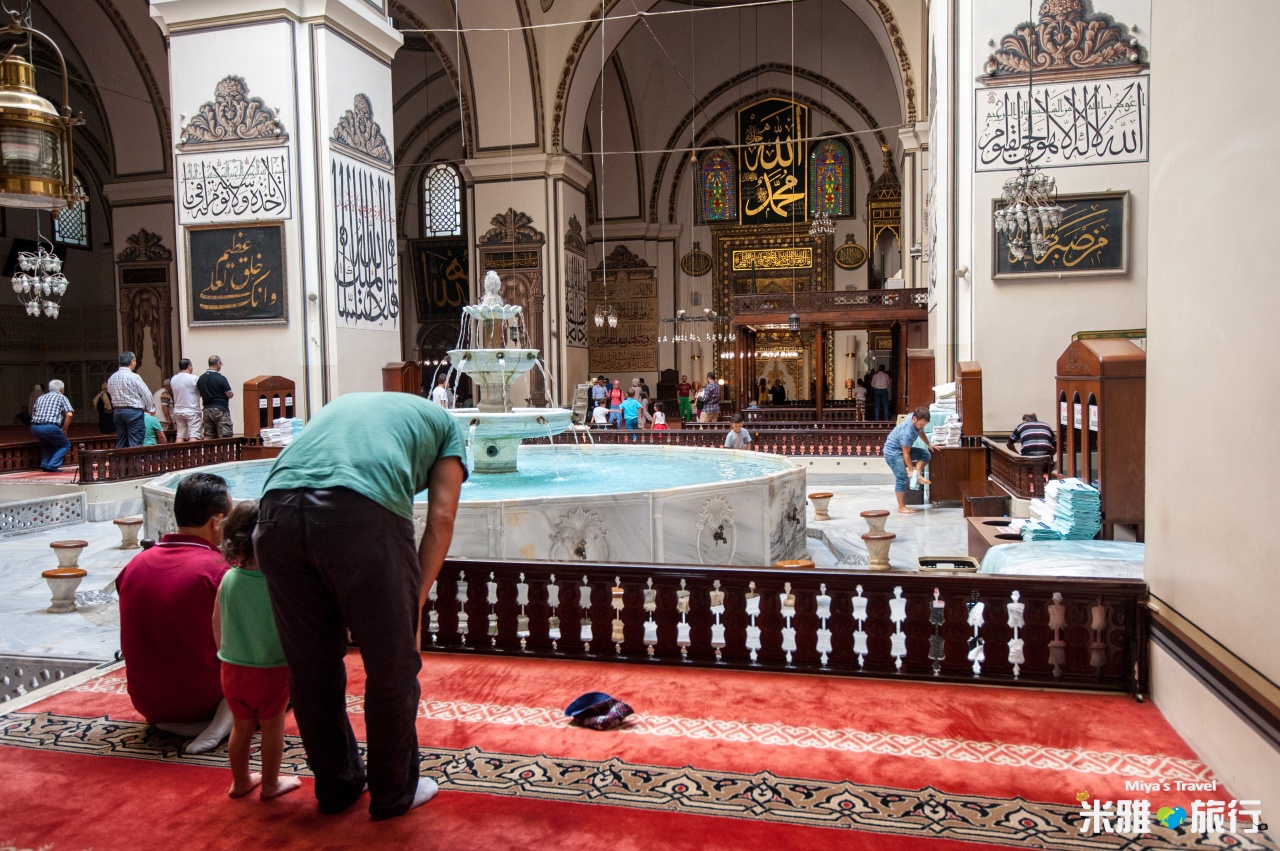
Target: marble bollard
(68, 552)
(878, 549)
(820, 502)
(63, 582)
(129, 528)
(875, 520)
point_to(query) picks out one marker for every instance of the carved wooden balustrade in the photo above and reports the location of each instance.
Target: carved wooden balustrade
(25, 455)
(797, 416)
(883, 427)
(843, 442)
(832, 300)
(1014, 631)
(137, 462)
(1022, 476)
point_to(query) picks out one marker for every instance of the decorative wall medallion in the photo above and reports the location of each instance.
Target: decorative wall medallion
(364, 244)
(512, 227)
(697, 262)
(241, 186)
(578, 535)
(232, 116)
(717, 535)
(573, 239)
(358, 132)
(1066, 42)
(850, 255)
(144, 246)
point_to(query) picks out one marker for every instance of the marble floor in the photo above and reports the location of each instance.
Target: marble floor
(93, 631)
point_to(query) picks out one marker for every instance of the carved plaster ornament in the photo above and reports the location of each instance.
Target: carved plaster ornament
(573, 239)
(1066, 41)
(144, 246)
(512, 227)
(358, 131)
(232, 116)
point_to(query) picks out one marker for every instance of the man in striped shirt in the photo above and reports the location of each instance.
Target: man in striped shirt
(1037, 438)
(130, 398)
(50, 420)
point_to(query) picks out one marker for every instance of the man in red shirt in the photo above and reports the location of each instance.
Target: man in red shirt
(683, 392)
(167, 596)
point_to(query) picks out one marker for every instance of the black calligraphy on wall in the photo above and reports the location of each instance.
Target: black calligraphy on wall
(440, 278)
(575, 299)
(1092, 240)
(1080, 123)
(632, 295)
(773, 174)
(233, 186)
(364, 239)
(236, 274)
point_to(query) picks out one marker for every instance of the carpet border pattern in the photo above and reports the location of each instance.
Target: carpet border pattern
(763, 796)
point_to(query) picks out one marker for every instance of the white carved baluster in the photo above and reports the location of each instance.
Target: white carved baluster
(787, 608)
(937, 645)
(553, 622)
(753, 631)
(1057, 623)
(860, 634)
(492, 598)
(898, 614)
(584, 603)
(976, 620)
(522, 619)
(682, 628)
(824, 612)
(1016, 611)
(717, 609)
(650, 626)
(616, 599)
(1098, 647)
(462, 606)
(433, 616)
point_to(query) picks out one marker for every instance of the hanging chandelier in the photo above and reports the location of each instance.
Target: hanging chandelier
(822, 225)
(604, 317)
(1029, 212)
(710, 327)
(39, 282)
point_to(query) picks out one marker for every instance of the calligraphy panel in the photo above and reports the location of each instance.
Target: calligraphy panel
(1093, 239)
(236, 274)
(633, 345)
(239, 186)
(575, 300)
(773, 156)
(364, 245)
(441, 275)
(1079, 123)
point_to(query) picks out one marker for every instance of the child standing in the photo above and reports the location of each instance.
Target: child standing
(659, 418)
(255, 676)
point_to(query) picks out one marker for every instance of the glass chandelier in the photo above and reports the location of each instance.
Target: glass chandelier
(1029, 212)
(822, 225)
(602, 316)
(39, 282)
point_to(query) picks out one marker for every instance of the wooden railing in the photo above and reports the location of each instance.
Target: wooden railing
(831, 300)
(799, 425)
(835, 442)
(25, 455)
(1020, 475)
(1067, 633)
(137, 462)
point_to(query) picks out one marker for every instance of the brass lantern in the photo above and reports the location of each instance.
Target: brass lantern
(36, 159)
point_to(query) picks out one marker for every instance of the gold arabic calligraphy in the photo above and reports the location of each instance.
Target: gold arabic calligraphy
(1079, 237)
(774, 154)
(238, 279)
(449, 289)
(772, 258)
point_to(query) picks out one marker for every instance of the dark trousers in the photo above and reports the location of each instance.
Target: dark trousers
(335, 560)
(131, 429)
(56, 445)
(883, 408)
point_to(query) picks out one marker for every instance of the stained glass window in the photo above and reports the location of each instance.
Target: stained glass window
(830, 178)
(719, 185)
(442, 201)
(71, 226)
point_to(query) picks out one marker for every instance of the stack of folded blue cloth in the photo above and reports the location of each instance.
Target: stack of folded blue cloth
(1078, 511)
(1035, 530)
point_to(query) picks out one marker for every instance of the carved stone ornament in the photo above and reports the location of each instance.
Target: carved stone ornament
(144, 246)
(512, 227)
(358, 131)
(232, 116)
(573, 239)
(622, 258)
(1069, 40)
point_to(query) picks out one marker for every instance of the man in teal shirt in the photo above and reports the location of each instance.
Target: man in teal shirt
(336, 543)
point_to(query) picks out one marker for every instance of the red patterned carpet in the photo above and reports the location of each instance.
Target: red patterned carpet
(711, 760)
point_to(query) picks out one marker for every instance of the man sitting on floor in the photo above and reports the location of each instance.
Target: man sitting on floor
(1037, 438)
(167, 596)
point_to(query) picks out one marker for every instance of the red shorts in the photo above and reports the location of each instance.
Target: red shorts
(255, 693)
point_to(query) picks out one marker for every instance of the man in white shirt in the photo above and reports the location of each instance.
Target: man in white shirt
(440, 393)
(600, 416)
(880, 383)
(186, 402)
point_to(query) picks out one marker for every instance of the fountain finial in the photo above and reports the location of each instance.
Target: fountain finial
(491, 305)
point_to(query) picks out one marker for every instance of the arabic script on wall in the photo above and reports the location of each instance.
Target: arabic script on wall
(238, 186)
(773, 162)
(237, 274)
(364, 240)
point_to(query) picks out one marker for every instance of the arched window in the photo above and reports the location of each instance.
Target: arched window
(71, 226)
(719, 185)
(442, 201)
(830, 178)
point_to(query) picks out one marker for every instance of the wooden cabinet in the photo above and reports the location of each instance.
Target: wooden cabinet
(266, 398)
(952, 466)
(1102, 421)
(969, 397)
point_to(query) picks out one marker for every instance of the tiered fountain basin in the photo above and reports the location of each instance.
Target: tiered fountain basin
(646, 504)
(497, 436)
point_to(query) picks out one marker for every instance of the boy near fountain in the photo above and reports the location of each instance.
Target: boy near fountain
(631, 410)
(255, 676)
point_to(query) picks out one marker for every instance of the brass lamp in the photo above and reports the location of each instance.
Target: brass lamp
(36, 157)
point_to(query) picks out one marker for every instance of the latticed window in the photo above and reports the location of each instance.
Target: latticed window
(442, 201)
(829, 178)
(71, 226)
(719, 187)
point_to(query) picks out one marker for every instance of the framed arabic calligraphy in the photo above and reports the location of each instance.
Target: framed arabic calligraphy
(773, 160)
(1093, 239)
(236, 274)
(440, 277)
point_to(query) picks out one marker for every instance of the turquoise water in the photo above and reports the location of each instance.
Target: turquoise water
(567, 471)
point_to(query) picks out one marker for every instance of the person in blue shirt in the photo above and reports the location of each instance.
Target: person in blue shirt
(631, 410)
(901, 456)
